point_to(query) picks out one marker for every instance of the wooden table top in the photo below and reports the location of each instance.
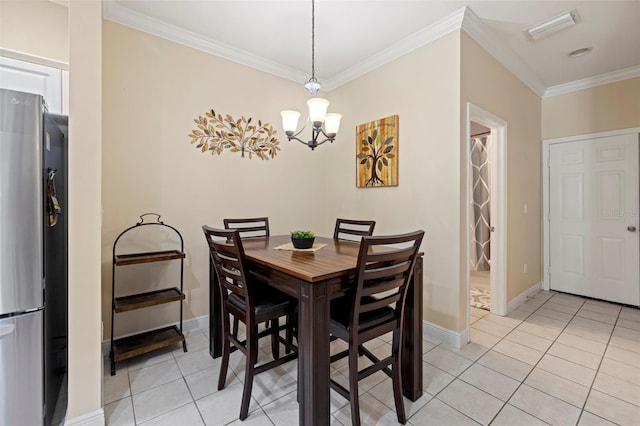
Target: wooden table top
(336, 259)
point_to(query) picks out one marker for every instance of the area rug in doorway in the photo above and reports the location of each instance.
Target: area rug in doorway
(480, 299)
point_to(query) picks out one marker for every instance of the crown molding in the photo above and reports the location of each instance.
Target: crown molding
(502, 52)
(427, 35)
(586, 83)
(116, 13)
(130, 18)
(464, 19)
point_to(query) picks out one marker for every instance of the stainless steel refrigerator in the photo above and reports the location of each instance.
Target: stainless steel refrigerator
(33, 262)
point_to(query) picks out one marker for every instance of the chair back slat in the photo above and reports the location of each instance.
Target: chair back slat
(392, 256)
(385, 267)
(227, 254)
(379, 303)
(382, 286)
(249, 227)
(354, 230)
(388, 270)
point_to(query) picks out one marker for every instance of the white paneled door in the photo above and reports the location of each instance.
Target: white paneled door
(593, 218)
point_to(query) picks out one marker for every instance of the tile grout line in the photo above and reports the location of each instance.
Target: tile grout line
(474, 362)
(133, 408)
(193, 400)
(538, 362)
(598, 370)
(525, 378)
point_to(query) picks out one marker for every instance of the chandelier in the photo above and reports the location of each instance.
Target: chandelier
(317, 107)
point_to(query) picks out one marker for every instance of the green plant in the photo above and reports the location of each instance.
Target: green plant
(302, 234)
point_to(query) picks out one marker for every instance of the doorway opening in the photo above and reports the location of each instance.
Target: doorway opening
(480, 220)
(486, 255)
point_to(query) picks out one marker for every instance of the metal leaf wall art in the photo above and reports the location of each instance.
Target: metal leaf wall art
(216, 133)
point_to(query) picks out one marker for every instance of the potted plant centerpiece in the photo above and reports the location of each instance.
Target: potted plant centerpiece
(302, 239)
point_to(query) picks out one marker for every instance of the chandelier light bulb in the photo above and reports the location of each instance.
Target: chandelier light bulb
(332, 123)
(317, 109)
(290, 120)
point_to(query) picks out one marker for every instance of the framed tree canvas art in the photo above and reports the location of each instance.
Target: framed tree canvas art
(377, 153)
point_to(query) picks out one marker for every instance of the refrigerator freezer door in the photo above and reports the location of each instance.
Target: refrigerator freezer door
(21, 198)
(55, 272)
(21, 387)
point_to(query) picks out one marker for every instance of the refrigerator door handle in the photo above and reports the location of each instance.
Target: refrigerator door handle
(7, 330)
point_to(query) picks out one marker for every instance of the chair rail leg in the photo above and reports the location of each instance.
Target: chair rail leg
(353, 388)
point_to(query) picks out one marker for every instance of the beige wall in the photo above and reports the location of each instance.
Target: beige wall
(152, 167)
(487, 84)
(37, 27)
(423, 89)
(608, 107)
(153, 89)
(85, 163)
(429, 89)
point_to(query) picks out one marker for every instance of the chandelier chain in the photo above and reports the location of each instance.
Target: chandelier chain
(313, 40)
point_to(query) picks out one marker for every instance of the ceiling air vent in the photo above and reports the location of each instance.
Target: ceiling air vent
(552, 25)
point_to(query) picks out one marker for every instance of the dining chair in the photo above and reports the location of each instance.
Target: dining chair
(375, 307)
(353, 230)
(243, 296)
(249, 227)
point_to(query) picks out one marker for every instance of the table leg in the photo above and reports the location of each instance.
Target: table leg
(215, 317)
(313, 354)
(412, 338)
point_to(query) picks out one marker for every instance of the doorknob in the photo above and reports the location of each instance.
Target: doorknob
(631, 228)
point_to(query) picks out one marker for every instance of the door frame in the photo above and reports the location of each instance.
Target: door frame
(497, 206)
(546, 146)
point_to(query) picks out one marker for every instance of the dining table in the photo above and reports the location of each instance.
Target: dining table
(314, 278)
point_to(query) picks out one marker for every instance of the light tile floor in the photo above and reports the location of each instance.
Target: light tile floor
(558, 359)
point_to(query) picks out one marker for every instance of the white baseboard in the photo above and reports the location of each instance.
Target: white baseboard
(522, 297)
(455, 339)
(192, 324)
(95, 418)
(450, 337)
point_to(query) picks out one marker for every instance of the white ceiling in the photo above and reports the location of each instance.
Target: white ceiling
(353, 37)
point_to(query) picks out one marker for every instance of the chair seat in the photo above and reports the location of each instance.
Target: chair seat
(340, 315)
(266, 303)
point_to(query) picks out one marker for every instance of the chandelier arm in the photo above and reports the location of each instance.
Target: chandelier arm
(327, 135)
(295, 138)
(313, 143)
(324, 140)
(301, 130)
(317, 131)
